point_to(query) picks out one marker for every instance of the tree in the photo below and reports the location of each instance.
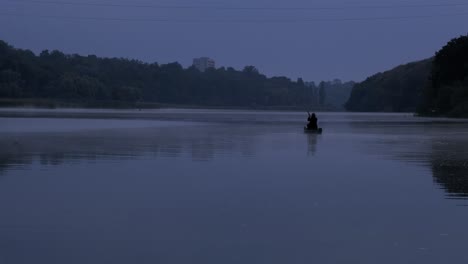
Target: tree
(300, 81)
(11, 84)
(91, 79)
(396, 90)
(322, 93)
(447, 94)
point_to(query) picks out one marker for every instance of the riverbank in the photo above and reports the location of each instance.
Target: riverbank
(52, 104)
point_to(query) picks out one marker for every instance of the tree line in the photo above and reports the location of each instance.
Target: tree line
(57, 76)
(396, 90)
(437, 86)
(446, 94)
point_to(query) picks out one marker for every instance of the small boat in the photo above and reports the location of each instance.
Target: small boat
(313, 131)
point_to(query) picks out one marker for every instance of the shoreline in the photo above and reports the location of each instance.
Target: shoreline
(119, 105)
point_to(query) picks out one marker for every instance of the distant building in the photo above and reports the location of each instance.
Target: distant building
(203, 63)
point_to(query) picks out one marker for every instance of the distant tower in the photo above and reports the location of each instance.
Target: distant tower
(203, 63)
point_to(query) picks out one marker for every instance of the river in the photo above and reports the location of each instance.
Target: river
(226, 186)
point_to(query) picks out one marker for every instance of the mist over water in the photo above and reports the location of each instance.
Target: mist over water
(219, 186)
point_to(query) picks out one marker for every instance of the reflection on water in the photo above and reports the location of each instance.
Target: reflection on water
(442, 148)
(449, 162)
(54, 141)
(454, 178)
(312, 143)
(58, 140)
(203, 186)
(200, 142)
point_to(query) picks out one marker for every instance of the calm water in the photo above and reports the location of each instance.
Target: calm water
(194, 186)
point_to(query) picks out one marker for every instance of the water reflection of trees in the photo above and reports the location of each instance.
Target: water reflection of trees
(446, 157)
(442, 146)
(449, 164)
(199, 143)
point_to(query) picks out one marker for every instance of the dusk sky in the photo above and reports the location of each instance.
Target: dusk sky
(315, 40)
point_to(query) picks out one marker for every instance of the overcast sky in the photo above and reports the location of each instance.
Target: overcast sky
(315, 40)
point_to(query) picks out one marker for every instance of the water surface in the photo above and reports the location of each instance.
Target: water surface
(210, 186)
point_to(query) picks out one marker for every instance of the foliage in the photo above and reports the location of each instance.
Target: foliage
(397, 90)
(331, 94)
(447, 94)
(322, 93)
(53, 75)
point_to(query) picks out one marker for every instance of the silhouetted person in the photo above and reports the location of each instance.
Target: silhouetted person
(312, 122)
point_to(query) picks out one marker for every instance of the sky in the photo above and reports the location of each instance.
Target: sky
(314, 40)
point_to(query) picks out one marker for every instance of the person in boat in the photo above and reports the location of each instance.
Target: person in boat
(312, 125)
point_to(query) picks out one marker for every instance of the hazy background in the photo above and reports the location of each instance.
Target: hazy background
(331, 39)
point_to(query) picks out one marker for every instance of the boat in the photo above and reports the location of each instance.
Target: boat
(313, 131)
